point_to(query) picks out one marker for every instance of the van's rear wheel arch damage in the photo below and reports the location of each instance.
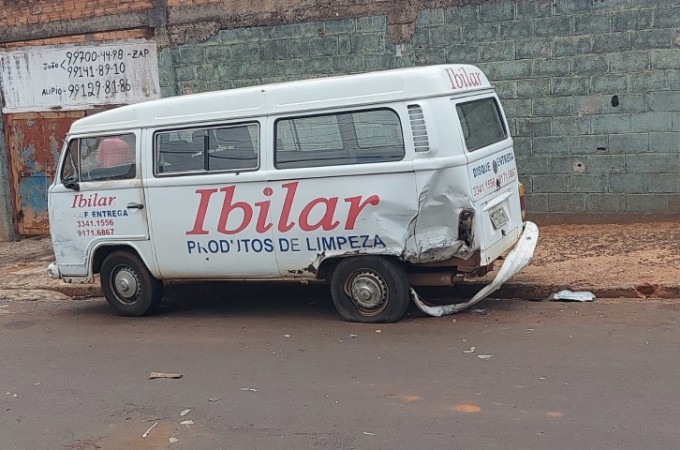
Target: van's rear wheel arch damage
(370, 288)
(128, 285)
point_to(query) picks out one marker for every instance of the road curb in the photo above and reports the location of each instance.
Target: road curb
(537, 292)
(523, 291)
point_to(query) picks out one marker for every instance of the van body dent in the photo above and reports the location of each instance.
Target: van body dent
(375, 182)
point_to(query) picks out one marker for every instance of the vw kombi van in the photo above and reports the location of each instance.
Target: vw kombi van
(374, 182)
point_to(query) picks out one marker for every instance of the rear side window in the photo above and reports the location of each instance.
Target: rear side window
(339, 139)
(481, 122)
(232, 148)
(100, 158)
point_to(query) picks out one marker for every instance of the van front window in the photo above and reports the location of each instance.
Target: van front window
(100, 158)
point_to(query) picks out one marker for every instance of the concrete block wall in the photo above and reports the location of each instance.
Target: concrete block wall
(591, 87)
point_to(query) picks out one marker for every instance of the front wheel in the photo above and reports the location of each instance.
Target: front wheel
(128, 285)
(370, 289)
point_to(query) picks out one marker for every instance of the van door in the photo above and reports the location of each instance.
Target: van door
(97, 198)
(492, 173)
(209, 203)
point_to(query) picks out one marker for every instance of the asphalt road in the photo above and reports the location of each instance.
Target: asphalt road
(272, 373)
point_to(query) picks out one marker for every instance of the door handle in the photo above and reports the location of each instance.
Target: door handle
(135, 206)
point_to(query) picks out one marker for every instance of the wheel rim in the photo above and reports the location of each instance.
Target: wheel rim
(368, 291)
(126, 284)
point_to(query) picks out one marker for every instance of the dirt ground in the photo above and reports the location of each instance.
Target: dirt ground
(609, 256)
(578, 257)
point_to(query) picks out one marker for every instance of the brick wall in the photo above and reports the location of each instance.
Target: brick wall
(21, 12)
(83, 39)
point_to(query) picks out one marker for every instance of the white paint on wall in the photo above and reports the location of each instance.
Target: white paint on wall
(71, 77)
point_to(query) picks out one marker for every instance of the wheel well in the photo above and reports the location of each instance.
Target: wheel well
(328, 265)
(102, 252)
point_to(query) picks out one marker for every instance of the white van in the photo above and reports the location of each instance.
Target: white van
(374, 182)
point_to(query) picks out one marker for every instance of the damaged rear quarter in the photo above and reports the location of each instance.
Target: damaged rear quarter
(443, 212)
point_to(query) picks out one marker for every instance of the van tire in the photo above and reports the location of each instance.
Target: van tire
(370, 289)
(128, 285)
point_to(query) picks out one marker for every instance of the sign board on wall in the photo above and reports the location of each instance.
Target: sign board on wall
(77, 77)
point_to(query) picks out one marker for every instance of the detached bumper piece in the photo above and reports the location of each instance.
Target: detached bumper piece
(517, 259)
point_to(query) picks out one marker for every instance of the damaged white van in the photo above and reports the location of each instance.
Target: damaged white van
(374, 182)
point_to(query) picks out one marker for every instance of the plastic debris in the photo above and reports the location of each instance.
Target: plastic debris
(484, 356)
(187, 422)
(352, 336)
(154, 375)
(173, 440)
(573, 296)
(146, 433)
(470, 350)
(369, 434)
(185, 412)
(249, 389)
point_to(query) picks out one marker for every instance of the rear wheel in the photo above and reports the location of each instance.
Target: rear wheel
(370, 289)
(128, 285)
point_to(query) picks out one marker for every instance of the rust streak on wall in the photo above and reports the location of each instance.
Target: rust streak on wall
(211, 15)
(198, 20)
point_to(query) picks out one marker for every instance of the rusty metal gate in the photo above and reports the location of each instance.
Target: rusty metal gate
(34, 141)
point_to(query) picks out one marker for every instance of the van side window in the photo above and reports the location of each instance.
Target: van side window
(100, 158)
(482, 123)
(339, 139)
(208, 149)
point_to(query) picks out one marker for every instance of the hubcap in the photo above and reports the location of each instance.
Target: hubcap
(369, 292)
(126, 284)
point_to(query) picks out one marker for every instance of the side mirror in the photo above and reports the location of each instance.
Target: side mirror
(71, 183)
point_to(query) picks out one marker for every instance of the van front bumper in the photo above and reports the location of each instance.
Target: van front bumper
(518, 258)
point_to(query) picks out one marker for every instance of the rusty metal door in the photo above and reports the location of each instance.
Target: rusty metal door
(34, 141)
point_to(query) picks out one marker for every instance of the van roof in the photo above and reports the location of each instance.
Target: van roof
(312, 94)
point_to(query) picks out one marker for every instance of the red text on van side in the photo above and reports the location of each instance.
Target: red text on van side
(261, 210)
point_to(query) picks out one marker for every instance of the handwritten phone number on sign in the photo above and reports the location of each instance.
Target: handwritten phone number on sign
(84, 63)
(93, 71)
(92, 56)
(95, 88)
(81, 56)
(91, 89)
